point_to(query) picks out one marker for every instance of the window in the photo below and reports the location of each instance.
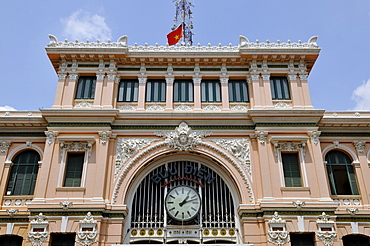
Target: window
(292, 172)
(86, 87)
(67, 239)
(211, 91)
(356, 240)
(279, 88)
(74, 167)
(302, 239)
(341, 174)
(183, 91)
(156, 91)
(11, 241)
(23, 174)
(238, 91)
(128, 90)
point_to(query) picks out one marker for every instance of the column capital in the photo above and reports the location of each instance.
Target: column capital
(266, 76)
(292, 77)
(62, 76)
(73, 76)
(142, 80)
(4, 146)
(360, 146)
(224, 79)
(170, 79)
(197, 79)
(255, 76)
(100, 76)
(111, 76)
(303, 76)
(117, 79)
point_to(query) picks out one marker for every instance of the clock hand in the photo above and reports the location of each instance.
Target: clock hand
(192, 200)
(184, 201)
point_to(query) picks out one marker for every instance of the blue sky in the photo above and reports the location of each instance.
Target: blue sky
(339, 81)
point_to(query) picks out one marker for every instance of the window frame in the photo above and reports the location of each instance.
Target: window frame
(280, 84)
(83, 92)
(123, 87)
(207, 85)
(290, 181)
(13, 180)
(178, 90)
(238, 92)
(350, 174)
(150, 90)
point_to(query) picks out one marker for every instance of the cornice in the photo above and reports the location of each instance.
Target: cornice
(170, 127)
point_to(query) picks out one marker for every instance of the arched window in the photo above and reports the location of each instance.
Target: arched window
(341, 174)
(11, 240)
(356, 240)
(23, 174)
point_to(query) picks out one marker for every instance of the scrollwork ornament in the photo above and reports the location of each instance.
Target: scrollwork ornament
(360, 146)
(4, 146)
(327, 237)
(183, 138)
(278, 237)
(314, 135)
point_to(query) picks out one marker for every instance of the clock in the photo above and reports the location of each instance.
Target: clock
(182, 203)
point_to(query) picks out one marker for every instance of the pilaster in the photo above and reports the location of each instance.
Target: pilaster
(306, 97)
(141, 98)
(98, 90)
(109, 91)
(295, 92)
(169, 92)
(225, 92)
(197, 80)
(4, 167)
(70, 91)
(256, 91)
(60, 90)
(362, 171)
(267, 90)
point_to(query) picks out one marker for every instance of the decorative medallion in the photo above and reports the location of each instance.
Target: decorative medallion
(183, 138)
(11, 212)
(352, 211)
(66, 205)
(299, 204)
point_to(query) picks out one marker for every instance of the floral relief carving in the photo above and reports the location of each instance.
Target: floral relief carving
(239, 108)
(183, 107)
(39, 236)
(127, 107)
(87, 234)
(211, 107)
(239, 148)
(76, 147)
(282, 105)
(127, 147)
(183, 138)
(288, 147)
(155, 107)
(83, 104)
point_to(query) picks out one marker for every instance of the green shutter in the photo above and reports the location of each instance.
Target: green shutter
(74, 166)
(292, 172)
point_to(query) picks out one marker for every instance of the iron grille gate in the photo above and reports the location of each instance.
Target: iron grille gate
(214, 223)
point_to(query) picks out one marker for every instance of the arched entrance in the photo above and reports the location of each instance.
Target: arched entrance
(11, 240)
(165, 207)
(356, 240)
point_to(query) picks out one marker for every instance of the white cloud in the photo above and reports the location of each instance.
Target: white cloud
(82, 25)
(7, 108)
(362, 96)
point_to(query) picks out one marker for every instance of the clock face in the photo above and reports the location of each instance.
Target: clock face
(182, 203)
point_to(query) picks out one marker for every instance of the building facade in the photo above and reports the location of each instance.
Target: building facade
(184, 145)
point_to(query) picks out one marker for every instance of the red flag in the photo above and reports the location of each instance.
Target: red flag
(175, 36)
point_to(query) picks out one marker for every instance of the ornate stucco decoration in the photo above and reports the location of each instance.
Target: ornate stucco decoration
(4, 146)
(239, 108)
(211, 107)
(282, 105)
(87, 234)
(299, 204)
(54, 43)
(104, 136)
(289, 147)
(352, 211)
(326, 232)
(183, 138)
(83, 104)
(261, 135)
(50, 136)
(360, 146)
(314, 135)
(127, 107)
(336, 144)
(277, 233)
(183, 107)
(155, 107)
(29, 144)
(76, 147)
(11, 212)
(239, 148)
(38, 233)
(66, 205)
(127, 147)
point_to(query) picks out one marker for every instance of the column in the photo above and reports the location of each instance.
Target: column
(294, 91)
(109, 92)
(256, 91)
(70, 91)
(5, 167)
(197, 80)
(267, 90)
(225, 92)
(60, 89)
(98, 90)
(169, 92)
(362, 171)
(141, 98)
(305, 91)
